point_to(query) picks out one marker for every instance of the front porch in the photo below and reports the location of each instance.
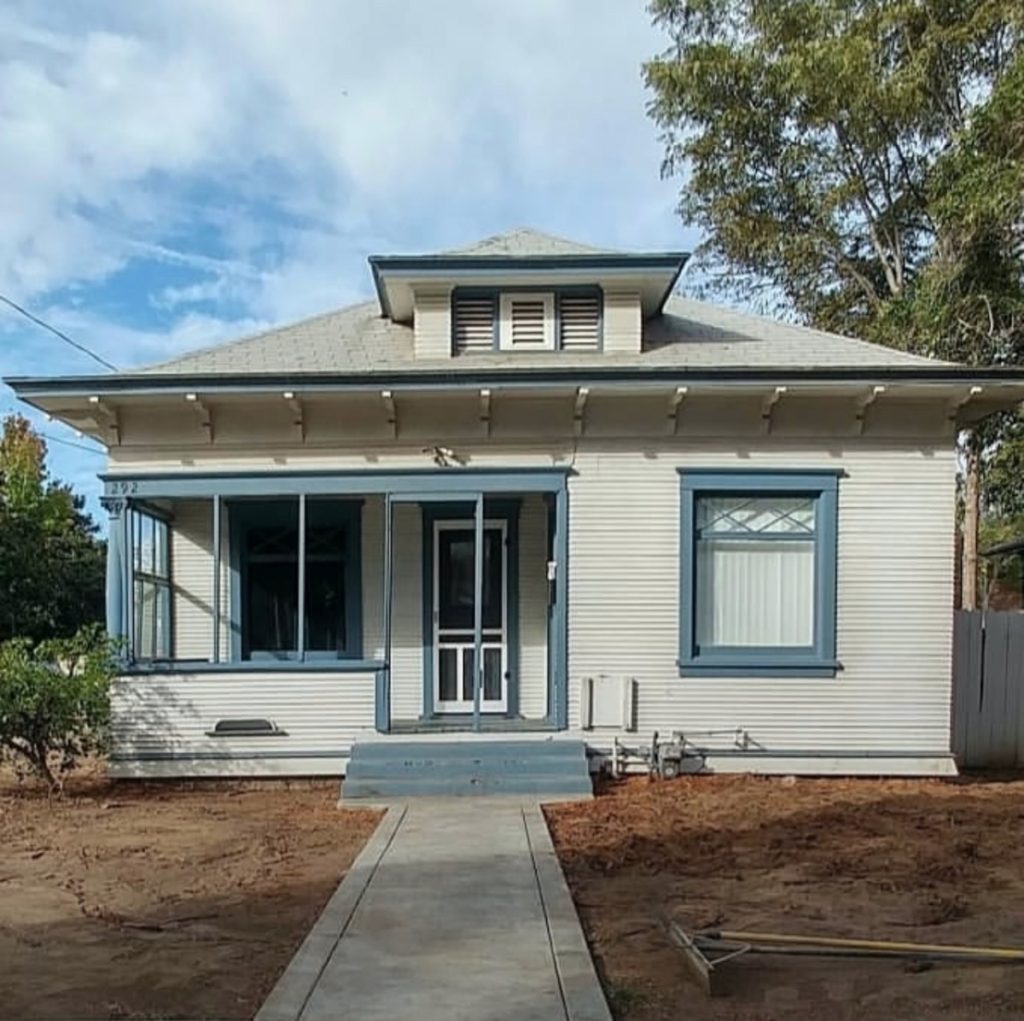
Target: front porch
(447, 587)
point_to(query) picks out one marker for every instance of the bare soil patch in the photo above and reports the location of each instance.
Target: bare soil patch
(162, 900)
(909, 860)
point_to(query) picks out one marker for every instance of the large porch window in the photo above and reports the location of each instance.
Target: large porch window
(289, 577)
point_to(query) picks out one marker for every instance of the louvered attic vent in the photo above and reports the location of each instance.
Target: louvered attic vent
(473, 323)
(526, 321)
(579, 319)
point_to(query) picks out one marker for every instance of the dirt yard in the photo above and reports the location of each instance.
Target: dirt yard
(925, 861)
(162, 901)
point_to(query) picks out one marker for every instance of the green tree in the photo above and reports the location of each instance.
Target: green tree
(51, 561)
(55, 702)
(863, 160)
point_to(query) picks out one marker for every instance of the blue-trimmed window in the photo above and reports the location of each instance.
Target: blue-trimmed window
(268, 576)
(758, 573)
(151, 587)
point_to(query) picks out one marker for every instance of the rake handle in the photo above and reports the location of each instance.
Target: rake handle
(862, 944)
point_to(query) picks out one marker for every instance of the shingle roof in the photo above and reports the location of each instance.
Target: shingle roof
(689, 335)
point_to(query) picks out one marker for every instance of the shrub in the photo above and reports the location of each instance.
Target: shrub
(55, 702)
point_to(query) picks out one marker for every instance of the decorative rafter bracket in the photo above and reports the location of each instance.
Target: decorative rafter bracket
(675, 402)
(108, 418)
(864, 402)
(298, 411)
(390, 412)
(580, 411)
(768, 404)
(485, 411)
(958, 403)
(203, 412)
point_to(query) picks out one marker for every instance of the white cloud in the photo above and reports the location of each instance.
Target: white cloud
(235, 162)
(405, 123)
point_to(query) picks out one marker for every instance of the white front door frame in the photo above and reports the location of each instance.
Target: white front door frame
(441, 640)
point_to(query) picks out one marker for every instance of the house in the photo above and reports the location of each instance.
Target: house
(528, 494)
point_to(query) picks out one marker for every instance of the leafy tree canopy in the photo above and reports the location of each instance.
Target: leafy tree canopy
(51, 562)
(864, 159)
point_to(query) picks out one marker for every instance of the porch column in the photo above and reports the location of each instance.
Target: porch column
(301, 600)
(561, 610)
(382, 680)
(128, 580)
(115, 594)
(478, 606)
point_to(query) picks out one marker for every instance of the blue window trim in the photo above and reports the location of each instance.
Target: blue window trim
(135, 513)
(496, 508)
(819, 661)
(565, 291)
(243, 514)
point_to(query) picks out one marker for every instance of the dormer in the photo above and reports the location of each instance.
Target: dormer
(523, 293)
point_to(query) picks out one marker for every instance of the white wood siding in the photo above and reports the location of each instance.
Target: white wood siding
(894, 626)
(622, 322)
(158, 717)
(432, 324)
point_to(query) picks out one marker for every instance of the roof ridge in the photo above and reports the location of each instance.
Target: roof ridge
(482, 245)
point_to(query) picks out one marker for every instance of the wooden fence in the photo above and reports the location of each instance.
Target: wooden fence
(988, 689)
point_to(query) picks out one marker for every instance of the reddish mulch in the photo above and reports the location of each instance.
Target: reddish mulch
(918, 860)
(169, 900)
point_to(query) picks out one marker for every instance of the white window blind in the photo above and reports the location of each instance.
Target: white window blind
(473, 324)
(755, 561)
(579, 318)
(528, 321)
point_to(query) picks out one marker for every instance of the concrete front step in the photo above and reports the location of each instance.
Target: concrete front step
(389, 748)
(360, 768)
(441, 786)
(397, 769)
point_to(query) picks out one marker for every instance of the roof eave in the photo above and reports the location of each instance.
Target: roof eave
(150, 383)
(461, 263)
(398, 267)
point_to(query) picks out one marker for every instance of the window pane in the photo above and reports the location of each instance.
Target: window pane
(160, 548)
(752, 593)
(145, 615)
(456, 579)
(162, 649)
(752, 515)
(492, 674)
(151, 633)
(325, 605)
(273, 605)
(448, 675)
(468, 657)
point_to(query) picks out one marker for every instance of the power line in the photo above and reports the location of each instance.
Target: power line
(71, 443)
(57, 333)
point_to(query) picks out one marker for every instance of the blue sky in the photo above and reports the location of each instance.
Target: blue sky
(177, 172)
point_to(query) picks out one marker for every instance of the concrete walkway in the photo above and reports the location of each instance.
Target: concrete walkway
(455, 909)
